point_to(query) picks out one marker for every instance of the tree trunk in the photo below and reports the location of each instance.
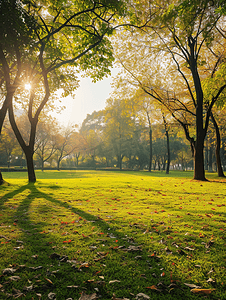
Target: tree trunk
(168, 153)
(30, 165)
(1, 179)
(206, 156)
(218, 146)
(150, 150)
(167, 143)
(210, 166)
(28, 150)
(199, 170)
(58, 164)
(154, 165)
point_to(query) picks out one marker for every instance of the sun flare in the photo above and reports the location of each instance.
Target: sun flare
(27, 86)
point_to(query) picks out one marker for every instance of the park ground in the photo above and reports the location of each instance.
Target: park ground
(112, 235)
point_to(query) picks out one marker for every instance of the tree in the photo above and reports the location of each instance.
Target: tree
(45, 143)
(68, 38)
(186, 33)
(16, 36)
(64, 145)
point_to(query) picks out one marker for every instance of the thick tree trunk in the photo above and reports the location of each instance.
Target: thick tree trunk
(1, 179)
(30, 165)
(150, 149)
(28, 150)
(218, 146)
(199, 170)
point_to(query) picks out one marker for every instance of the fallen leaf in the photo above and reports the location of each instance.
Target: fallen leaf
(48, 280)
(113, 281)
(133, 248)
(142, 296)
(193, 286)
(210, 280)
(8, 271)
(51, 295)
(88, 297)
(153, 287)
(202, 291)
(36, 268)
(28, 288)
(14, 278)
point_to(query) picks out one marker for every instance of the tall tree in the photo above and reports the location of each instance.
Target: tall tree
(16, 37)
(186, 32)
(72, 38)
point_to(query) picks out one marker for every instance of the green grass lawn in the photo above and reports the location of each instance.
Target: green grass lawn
(112, 235)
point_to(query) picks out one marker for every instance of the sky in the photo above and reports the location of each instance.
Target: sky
(88, 97)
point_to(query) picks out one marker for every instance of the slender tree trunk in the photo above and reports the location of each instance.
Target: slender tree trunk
(150, 149)
(210, 166)
(30, 165)
(167, 143)
(58, 164)
(164, 164)
(168, 152)
(218, 146)
(206, 155)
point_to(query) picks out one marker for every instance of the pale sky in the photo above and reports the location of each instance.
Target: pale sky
(88, 97)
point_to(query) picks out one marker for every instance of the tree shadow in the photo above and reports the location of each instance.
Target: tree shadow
(35, 253)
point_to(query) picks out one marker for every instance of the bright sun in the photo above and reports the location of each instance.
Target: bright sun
(27, 86)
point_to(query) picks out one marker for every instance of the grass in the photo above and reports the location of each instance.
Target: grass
(116, 234)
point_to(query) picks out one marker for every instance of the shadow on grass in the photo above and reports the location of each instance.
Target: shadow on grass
(36, 251)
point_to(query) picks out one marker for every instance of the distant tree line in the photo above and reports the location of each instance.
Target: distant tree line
(104, 142)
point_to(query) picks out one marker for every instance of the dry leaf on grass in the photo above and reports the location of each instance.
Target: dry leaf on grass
(192, 286)
(202, 291)
(114, 281)
(51, 295)
(142, 296)
(88, 297)
(115, 298)
(14, 278)
(8, 271)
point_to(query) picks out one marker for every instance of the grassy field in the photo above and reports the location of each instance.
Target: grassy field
(112, 235)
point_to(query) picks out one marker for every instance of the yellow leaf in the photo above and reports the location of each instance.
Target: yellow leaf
(202, 291)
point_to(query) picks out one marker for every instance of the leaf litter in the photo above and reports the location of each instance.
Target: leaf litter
(165, 233)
